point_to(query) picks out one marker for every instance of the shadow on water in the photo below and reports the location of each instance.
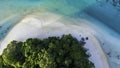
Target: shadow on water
(106, 13)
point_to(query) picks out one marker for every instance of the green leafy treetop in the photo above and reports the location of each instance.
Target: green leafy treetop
(53, 52)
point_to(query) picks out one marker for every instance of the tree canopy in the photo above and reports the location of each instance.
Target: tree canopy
(52, 52)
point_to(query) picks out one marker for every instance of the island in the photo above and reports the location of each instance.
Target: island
(46, 25)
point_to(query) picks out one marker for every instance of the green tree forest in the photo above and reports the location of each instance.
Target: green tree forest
(52, 52)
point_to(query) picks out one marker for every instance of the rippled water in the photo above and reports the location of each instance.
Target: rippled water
(103, 17)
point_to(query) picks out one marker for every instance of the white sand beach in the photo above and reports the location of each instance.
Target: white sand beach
(45, 25)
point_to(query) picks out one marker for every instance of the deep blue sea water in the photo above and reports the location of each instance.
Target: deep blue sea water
(103, 15)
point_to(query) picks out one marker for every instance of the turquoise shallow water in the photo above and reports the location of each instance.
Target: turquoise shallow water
(102, 15)
(100, 10)
(12, 11)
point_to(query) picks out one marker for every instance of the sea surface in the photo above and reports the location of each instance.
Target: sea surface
(102, 15)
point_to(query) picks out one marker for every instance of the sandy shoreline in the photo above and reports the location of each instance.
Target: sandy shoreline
(51, 25)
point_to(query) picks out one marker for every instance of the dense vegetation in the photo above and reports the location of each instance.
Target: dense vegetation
(53, 52)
